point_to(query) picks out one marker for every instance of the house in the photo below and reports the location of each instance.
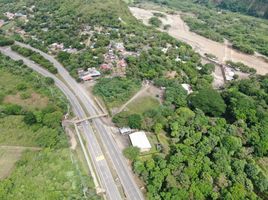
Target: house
(187, 87)
(120, 46)
(9, 15)
(93, 72)
(122, 63)
(105, 66)
(57, 46)
(140, 140)
(125, 130)
(164, 50)
(229, 73)
(89, 74)
(2, 22)
(87, 77)
(177, 59)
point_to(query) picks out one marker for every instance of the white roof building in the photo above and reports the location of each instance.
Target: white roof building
(125, 130)
(187, 87)
(140, 140)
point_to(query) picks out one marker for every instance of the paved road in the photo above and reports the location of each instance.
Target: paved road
(94, 149)
(119, 163)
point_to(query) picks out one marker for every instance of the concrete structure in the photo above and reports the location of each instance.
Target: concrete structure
(140, 140)
(229, 73)
(2, 22)
(187, 87)
(125, 130)
(9, 15)
(89, 74)
(93, 72)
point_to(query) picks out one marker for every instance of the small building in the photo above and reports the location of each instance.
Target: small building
(93, 72)
(140, 140)
(56, 46)
(187, 87)
(177, 59)
(86, 78)
(2, 22)
(125, 130)
(89, 74)
(105, 67)
(229, 73)
(122, 63)
(9, 15)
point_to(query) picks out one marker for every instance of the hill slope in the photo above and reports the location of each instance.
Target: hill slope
(258, 8)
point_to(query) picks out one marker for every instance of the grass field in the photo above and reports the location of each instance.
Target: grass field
(9, 82)
(13, 131)
(142, 104)
(63, 180)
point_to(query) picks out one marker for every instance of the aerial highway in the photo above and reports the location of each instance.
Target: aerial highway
(124, 173)
(101, 165)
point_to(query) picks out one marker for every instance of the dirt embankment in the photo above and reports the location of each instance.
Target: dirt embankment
(202, 45)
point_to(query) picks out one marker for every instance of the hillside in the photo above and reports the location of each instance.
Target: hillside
(258, 8)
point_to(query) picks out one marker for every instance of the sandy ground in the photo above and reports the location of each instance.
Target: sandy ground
(202, 45)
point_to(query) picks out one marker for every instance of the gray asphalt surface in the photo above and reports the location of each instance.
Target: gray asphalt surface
(119, 163)
(101, 165)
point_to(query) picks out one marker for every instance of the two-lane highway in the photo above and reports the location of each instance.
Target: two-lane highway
(101, 165)
(126, 177)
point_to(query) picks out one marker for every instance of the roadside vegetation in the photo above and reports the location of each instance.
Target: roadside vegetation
(36, 57)
(4, 41)
(47, 162)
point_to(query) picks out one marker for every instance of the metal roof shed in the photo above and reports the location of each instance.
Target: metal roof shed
(140, 140)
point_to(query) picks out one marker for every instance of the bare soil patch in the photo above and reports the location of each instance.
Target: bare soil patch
(34, 101)
(8, 158)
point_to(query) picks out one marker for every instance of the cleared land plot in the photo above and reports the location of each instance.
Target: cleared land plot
(35, 100)
(8, 157)
(26, 98)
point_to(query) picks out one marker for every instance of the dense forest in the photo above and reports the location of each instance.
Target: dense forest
(257, 8)
(217, 141)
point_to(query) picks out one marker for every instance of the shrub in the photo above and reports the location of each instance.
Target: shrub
(5, 41)
(155, 21)
(131, 153)
(134, 121)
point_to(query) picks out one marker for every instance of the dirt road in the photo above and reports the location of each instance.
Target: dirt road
(202, 45)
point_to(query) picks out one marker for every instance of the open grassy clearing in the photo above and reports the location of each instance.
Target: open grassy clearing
(142, 104)
(9, 82)
(263, 163)
(13, 131)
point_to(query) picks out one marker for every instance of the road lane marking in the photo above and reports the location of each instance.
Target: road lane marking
(100, 158)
